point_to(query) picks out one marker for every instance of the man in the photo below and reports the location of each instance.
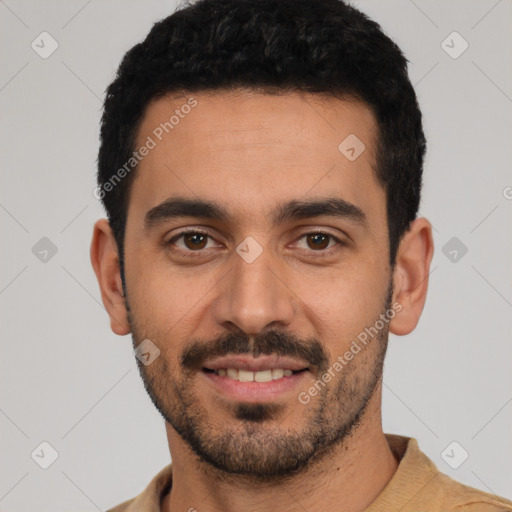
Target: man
(261, 165)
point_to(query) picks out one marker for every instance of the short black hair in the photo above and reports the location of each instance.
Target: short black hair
(271, 46)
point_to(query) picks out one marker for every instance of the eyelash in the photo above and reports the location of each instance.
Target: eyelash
(199, 252)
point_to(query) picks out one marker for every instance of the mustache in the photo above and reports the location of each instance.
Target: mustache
(277, 343)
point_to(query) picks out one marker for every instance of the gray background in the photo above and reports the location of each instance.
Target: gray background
(68, 380)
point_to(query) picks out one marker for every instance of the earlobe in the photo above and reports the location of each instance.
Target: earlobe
(410, 277)
(105, 262)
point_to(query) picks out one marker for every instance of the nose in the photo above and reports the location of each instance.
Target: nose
(254, 296)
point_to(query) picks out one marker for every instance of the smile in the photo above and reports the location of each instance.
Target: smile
(250, 376)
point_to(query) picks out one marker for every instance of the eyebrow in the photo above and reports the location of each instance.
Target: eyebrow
(178, 207)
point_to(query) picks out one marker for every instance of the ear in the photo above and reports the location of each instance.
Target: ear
(105, 261)
(410, 277)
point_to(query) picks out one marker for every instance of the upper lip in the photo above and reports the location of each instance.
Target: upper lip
(252, 364)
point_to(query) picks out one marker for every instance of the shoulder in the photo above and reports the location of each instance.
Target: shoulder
(122, 507)
(463, 498)
(419, 485)
(151, 496)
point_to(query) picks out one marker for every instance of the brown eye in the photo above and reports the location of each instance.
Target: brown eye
(318, 240)
(190, 241)
(195, 240)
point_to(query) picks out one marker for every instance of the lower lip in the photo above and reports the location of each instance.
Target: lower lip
(254, 391)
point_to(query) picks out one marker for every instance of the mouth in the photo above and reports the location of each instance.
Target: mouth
(248, 379)
(242, 375)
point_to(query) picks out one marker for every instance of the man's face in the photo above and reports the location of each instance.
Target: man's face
(264, 287)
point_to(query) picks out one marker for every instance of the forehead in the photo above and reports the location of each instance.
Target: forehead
(250, 150)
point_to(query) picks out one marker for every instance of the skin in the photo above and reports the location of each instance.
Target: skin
(249, 152)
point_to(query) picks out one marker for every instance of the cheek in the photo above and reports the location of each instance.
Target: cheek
(343, 305)
(168, 298)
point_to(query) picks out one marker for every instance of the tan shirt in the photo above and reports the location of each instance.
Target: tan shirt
(417, 486)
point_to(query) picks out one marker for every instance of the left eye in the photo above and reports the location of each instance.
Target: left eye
(319, 241)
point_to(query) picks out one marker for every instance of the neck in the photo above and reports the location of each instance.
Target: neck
(354, 473)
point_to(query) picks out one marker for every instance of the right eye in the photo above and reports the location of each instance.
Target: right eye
(190, 241)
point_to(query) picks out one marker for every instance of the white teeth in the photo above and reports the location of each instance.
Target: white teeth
(232, 373)
(263, 376)
(245, 376)
(277, 373)
(248, 376)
